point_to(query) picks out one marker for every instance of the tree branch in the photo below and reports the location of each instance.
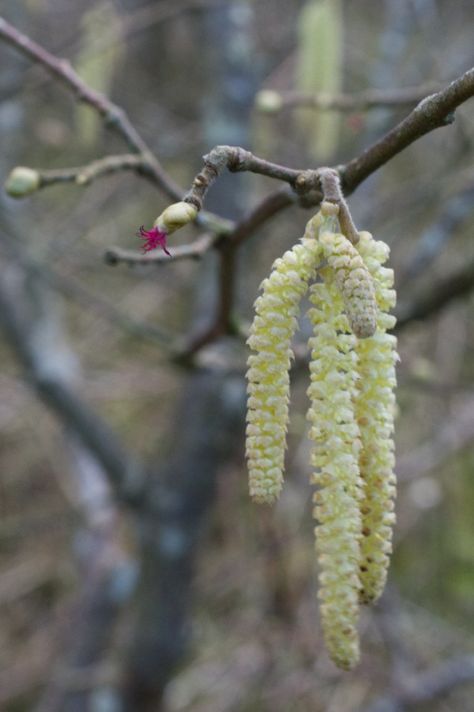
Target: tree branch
(114, 117)
(454, 286)
(72, 289)
(195, 251)
(433, 112)
(272, 102)
(83, 175)
(127, 477)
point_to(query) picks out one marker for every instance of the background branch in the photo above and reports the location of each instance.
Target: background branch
(432, 113)
(126, 475)
(438, 295)
(271, 101)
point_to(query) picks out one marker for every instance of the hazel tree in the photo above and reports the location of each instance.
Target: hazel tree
(351, 356)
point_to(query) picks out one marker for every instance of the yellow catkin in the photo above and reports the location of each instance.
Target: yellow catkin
(268, 374)
(352, 276)
(335, 456)
(375, 409)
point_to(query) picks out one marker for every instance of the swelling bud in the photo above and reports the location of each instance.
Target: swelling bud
(22, 181)
(176, 216)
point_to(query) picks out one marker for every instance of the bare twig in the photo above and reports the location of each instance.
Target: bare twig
(444, 291)
(195, 251)
(113, 115)
(82, 175)
(433, 112)
(237, 159)
(331, 187)
(271, 101)
(72, 289)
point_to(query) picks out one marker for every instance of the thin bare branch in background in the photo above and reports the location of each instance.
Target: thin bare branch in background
(271, 101)
(113, 116)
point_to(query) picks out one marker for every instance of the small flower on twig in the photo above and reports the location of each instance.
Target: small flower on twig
(153, 238)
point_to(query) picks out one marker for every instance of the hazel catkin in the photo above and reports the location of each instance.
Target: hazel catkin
(270, 338)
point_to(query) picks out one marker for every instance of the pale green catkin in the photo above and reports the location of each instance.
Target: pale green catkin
(352, 370)
(375, 410)
(352, 276)
(271, 333)
(335, 456)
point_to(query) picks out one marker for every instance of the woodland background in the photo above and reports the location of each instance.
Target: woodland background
(210, 605)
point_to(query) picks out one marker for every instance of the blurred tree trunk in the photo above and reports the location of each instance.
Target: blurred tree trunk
(210, 418)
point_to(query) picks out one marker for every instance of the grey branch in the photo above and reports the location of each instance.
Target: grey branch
(195, 251)
(433, 299)
(435, 111)
(270, 101)
(126, 475)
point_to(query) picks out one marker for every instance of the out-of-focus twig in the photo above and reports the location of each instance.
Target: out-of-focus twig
(433, 112)
(83, 175)
(442, 292)
(271, 101)
(126, 474)
(113, 115)
(194, 251)
(73, 289)
(426, 686)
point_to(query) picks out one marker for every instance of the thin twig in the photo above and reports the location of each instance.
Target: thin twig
(237, 159)
(113, 116)
(432, 113)
(83, 175)
(270, 206)
(72, 289)
(271, 101)
(195, 251)
(444, 291)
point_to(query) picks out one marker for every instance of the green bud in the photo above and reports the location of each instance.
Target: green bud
(268, 101)
(22, 181)
(175, 216)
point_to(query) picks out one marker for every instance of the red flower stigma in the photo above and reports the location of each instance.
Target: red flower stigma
(153, 238)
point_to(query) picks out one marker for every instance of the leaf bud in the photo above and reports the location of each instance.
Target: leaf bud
(22, 181)
(176, 216)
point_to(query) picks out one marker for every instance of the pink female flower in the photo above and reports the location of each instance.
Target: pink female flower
(153, 238)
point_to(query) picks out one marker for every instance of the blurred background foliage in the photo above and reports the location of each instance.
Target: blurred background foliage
(187, 74)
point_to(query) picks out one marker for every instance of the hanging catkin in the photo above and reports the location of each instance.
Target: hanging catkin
(335, 456)
(375, 410)
(271, 333)
(352, 369)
